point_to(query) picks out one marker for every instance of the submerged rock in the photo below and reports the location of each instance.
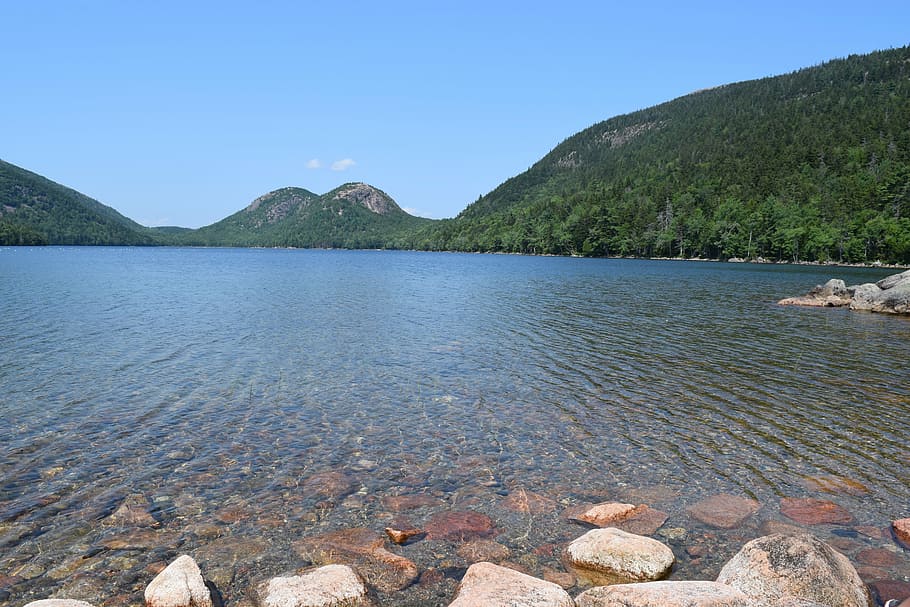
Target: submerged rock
(489, 585)
(645, 521)
(901, 529)
(328, 586)
(612, 556)
(876, 557)
(773, 568)
(885, 590)
(476, 551)
(606, 514)
(179, 585)
(365, 551)
(459, 526)
(522, 500)
(132, 512)
(811, 511)
(836, 484)
(664, 594)
(331, 484)
(724, 510)
(58, 603)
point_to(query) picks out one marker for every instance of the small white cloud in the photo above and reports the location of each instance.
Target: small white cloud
(343, 165)
(315, 163)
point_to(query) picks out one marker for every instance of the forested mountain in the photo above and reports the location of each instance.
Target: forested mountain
(353, 216)
(812, 165)
(35, 210)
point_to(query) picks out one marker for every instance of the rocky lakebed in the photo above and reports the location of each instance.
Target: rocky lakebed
(621, 554)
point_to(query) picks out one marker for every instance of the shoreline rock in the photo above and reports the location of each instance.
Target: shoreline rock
(489, 585)
(180, 585)
(611, 556)
(890, 295)
(665, 594)
(364, 550)
(785, 569)
(327, 586)
(779, 567)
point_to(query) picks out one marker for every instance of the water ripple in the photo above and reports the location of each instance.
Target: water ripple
(198, 378)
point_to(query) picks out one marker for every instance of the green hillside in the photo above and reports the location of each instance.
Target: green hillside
(812, 165)
(36, 210)
(352, 216)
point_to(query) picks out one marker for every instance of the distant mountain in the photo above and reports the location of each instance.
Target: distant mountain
(36, 210)
(812, 165)
(354, 215)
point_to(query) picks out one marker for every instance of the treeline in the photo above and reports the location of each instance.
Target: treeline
(12, 234)
(808, 166)
(813, 165)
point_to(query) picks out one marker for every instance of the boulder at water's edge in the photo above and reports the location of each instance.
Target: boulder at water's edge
(777, 567)
(489, 585)
(179, 585)
(664, 594)
(328, 586)
(612, 556)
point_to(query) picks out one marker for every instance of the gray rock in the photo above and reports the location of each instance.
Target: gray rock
(864, 296)
(664, 594)
(179, 585)
(328, 586)
(891, 281)
(779, 567)
(889, 295)
(833, 288)
(610, 556)
(489, 585)
(893, 300)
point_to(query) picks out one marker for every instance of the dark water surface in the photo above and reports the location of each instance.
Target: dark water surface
(248, 398)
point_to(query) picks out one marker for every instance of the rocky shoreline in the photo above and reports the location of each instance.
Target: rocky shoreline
(608, 566)
(890, 295)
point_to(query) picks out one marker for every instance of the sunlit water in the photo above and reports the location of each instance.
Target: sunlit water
(212, 384)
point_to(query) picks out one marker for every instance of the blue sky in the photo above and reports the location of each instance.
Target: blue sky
(181, 113)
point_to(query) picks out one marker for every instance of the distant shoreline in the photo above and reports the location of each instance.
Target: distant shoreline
(737, 260)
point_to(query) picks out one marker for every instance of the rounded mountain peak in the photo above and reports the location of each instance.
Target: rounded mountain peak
(367, 196)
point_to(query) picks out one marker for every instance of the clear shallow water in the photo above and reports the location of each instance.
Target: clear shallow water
(221, 385)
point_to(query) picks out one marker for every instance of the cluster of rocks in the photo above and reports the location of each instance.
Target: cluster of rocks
(618, 568)
(890, 295)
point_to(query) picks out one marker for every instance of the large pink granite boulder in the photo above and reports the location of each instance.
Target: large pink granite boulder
(489, 585)
(773, 568)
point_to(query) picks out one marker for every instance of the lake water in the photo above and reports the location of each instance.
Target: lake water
(248, 398)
